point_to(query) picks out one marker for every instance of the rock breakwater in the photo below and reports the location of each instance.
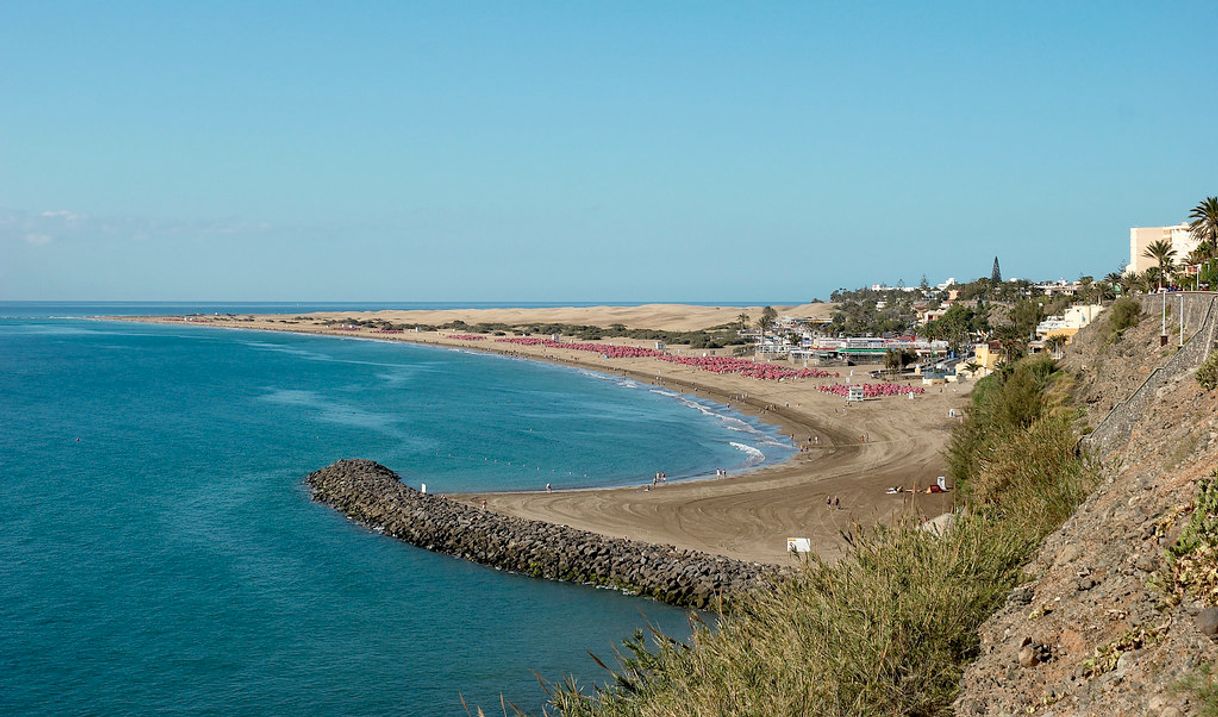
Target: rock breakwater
(374, 496)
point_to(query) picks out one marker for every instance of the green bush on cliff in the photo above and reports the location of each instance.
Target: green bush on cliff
(1125, 313)
(1207, 373)
(889, 628)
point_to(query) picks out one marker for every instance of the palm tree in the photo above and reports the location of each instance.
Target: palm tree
(1130, 282)
(1087, 285)
(1152, 277)
(768, 317)
(1199, 255)
(1162, 253)
(743, 319)
(1204, 224)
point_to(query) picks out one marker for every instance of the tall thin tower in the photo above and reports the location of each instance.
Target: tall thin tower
(996, 274)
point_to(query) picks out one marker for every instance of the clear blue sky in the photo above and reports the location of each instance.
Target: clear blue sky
(588, 151)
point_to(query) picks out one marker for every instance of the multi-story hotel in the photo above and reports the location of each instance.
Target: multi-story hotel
(1179, 236)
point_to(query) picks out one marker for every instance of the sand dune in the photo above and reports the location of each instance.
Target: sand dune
(665, 317)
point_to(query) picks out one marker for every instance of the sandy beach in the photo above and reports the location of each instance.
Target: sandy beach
(856, 454)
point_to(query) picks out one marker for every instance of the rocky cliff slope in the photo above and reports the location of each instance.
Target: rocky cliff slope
(1107, 624)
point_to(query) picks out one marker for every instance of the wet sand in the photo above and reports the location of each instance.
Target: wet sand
(861, 451)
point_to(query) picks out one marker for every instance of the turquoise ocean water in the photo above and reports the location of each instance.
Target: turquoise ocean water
(158, 552)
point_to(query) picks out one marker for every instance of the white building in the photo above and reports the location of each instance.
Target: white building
(1180, 238)
(1068, 324)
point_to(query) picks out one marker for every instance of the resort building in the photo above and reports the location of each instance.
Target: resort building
(1180, 238)
(1070, 322)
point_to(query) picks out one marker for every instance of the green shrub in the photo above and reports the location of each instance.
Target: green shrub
(1207, 374)
(1125, 313)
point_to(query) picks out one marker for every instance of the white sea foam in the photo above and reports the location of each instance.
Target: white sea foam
(615, 380)
(755, 456)
(730, 422)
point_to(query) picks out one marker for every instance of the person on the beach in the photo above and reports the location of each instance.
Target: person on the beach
(549, 488)
(484, 503)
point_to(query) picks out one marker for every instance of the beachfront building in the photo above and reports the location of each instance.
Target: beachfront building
(986, 357)
(772, 344)
(1070, 322)
(872, 349)
(1179, 236)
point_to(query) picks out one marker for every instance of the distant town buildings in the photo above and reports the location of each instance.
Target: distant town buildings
(885, 287)
(1180, 238)
(1059, 287)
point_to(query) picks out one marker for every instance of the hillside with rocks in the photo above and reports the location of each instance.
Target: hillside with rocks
(1109, 622)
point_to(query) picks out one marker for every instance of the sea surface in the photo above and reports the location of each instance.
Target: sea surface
(159, 553)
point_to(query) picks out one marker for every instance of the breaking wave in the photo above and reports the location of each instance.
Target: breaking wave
(755, 456)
